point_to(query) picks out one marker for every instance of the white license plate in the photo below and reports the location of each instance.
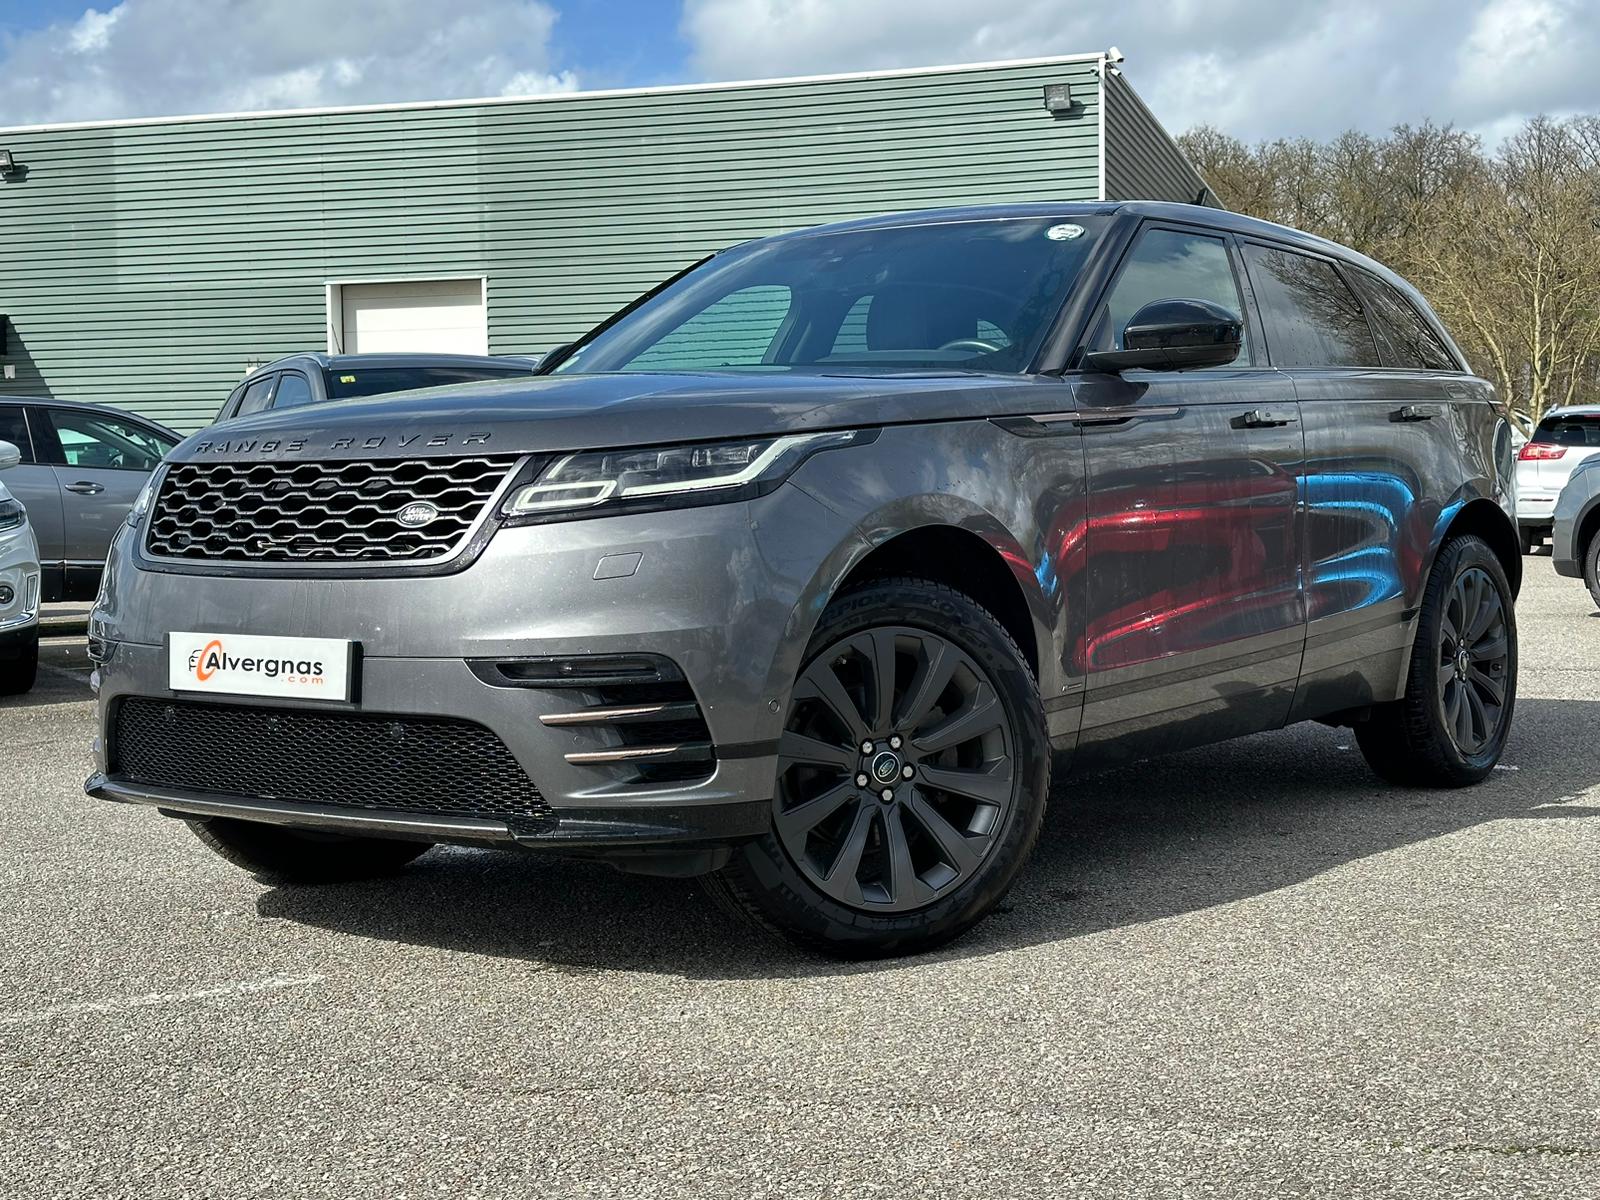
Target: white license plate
(238, 664)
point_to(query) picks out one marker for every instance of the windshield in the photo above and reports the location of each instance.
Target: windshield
(346, 383)
(967, 295)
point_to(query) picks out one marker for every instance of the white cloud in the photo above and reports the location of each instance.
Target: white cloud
(160, 57)
(92, 31)
(1257, 68)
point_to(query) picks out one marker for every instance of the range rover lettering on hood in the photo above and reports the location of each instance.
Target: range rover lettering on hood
(375, 442)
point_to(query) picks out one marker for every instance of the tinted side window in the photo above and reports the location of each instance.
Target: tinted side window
(294, 389)
(14, 429)
(1404, 338)
(256, 396)
(90, 439)
(1169, 264)
(226, 411)
(1312, 319)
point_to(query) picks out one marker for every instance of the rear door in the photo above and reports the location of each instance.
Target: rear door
(1195, 619)
(102, 462)
(1382, 462)
(34, 484)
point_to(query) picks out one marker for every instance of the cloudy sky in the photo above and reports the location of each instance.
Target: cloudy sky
(1257, 68)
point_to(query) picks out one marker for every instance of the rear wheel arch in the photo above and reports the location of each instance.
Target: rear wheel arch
(1487, 520)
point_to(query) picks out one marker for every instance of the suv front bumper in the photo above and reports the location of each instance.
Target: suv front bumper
(727, 593)
(1565, 553)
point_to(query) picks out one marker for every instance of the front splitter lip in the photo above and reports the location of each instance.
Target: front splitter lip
(580, 829)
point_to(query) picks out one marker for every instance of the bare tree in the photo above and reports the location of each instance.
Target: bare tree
(1505, 245)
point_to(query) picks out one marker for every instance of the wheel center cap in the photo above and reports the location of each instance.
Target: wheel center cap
(885, 766)
(1463, 663)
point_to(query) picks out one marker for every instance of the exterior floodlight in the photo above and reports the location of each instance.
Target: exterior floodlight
(1058, 97)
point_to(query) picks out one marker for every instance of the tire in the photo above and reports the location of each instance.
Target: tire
(1526, 539)
(17, 675)
(1591, 567)
(848, 873)
(1448, 730)
(277, 855)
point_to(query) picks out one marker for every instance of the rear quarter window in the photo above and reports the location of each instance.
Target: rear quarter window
(1404, 338)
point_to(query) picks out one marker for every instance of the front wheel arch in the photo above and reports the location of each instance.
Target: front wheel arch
(959, 559)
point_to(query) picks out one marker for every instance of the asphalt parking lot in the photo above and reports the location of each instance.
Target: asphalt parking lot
(1246, 971)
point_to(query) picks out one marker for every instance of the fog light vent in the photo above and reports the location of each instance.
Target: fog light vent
(633, 714)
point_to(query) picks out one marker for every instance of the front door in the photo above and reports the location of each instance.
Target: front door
(1195, 617)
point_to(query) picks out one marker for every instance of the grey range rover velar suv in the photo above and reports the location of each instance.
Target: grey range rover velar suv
(799, 572)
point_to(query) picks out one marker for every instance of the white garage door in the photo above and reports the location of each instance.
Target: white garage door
(445, 316)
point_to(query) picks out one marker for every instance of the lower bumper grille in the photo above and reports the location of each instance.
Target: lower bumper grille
(368, 761)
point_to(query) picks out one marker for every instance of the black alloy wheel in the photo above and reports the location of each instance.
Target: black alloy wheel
(895, 770)
(911, 778)
(1474, 656)
(1450, 727)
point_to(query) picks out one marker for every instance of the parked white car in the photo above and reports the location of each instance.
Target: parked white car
(19, 589)
(1564, 438)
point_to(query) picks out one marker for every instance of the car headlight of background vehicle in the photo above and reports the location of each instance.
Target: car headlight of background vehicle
(596, 483)
(12, 515)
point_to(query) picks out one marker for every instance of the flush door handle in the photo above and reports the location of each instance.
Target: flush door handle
(1261, 418)
(82, 488)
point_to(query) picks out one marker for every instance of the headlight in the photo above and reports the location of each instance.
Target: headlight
(12, 515)
(604, 481)
(141, 505)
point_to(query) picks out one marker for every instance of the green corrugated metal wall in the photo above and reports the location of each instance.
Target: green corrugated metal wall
(147, 264)
(1142, 162)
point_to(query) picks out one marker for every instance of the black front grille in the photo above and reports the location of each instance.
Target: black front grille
(428, 765)
(322, 512)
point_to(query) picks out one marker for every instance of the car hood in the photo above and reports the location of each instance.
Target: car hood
(588, 412)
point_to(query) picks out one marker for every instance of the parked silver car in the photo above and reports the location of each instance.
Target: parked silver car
(82, 467)
(19, 588)
(1565, 438)
(300, 379)
(1575, 538)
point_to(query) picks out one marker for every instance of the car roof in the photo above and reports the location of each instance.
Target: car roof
(1220, 218)
(1131, 210)
(1572, 410)
(84, 406)
(1217, 218)
(356, 362)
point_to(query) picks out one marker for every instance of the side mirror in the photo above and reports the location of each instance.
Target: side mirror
(10, 456)
(1174, 335)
